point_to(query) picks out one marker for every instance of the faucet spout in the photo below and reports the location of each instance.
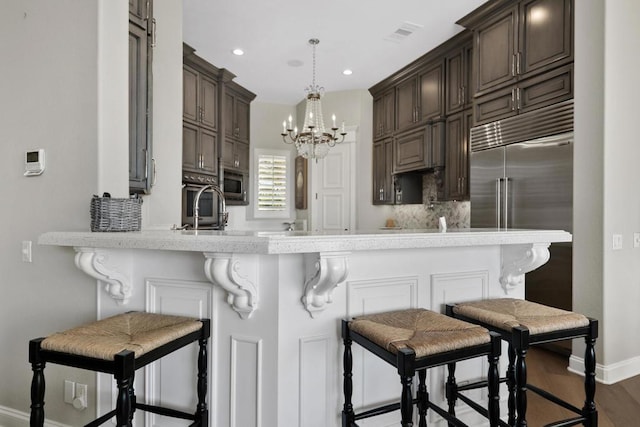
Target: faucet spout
(223, 215)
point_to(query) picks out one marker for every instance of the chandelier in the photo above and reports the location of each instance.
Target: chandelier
(314, 141)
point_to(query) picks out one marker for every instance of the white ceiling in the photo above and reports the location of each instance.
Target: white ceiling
(353, 34)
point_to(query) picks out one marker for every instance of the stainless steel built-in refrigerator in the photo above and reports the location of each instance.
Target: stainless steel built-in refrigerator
(528, 183)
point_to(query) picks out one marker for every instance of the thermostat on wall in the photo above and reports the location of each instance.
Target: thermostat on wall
(34, 162)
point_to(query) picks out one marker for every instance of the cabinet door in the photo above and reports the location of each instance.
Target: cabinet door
(410, 151)
(382, 170)
(242, 156)
(208, 148)
(436, 144)
(384, 114)
(208, 100)
(495, 105)
(495, 45)
(454, 83)
(406, 105)
(546, 35)
(190, 94)
(138, 11)
(228, 115)
(453, 173)
(228, 153)
(139, 127)
(545, 89)
(431, 85)
(190, 153)
(242, 120)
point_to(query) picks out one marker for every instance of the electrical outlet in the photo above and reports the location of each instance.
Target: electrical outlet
(69, 391)
(636, 240)
(617, 242)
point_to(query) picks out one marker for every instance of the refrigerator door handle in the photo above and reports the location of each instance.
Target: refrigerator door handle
(498, 201)
(506, 202)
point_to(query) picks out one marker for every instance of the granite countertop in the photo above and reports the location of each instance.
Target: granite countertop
(286, 242)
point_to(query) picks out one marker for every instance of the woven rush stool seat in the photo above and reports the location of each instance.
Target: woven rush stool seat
(412, 341)
(524, 323)
(120, 345)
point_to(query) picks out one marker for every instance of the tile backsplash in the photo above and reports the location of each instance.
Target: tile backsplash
(425, 215)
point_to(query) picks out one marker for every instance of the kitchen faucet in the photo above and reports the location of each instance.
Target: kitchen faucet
(223, 216)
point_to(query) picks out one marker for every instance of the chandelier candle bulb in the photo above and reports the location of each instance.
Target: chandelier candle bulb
(333, 117)
(284, 127)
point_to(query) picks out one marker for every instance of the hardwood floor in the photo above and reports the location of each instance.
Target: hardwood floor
(618, 404)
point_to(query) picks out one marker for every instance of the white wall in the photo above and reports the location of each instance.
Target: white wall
(64, 88)
(48, 99)
(606, 202)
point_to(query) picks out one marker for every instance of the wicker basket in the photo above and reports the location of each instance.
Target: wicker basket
(112, 214)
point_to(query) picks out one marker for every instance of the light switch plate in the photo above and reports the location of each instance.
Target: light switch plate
(617, 242)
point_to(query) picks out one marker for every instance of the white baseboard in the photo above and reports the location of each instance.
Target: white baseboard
(12, 418)
(608, 374)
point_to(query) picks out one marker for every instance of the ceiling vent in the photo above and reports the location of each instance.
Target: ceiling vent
(405, 30)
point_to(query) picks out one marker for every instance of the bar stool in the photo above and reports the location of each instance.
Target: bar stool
(522, 324)
(413, 341)
(120, 345)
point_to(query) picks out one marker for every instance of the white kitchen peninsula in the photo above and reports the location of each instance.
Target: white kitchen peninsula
(276, 298)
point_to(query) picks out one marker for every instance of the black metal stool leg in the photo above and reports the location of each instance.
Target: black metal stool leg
(511, 385)
(347, 386)
(37, 384)
(423, 398)
(589, 410)
(451, 390)
(132, 398)
(202, 412)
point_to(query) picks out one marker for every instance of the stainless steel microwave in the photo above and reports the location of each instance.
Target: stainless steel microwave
(208, 206)
(235, 186)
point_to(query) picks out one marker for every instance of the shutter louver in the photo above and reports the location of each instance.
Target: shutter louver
(272, 183)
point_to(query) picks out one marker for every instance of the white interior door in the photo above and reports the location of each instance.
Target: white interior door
(332, 188)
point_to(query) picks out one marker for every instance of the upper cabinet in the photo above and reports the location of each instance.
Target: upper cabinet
(216, 119)
(200, 98)
(522, 56)
(383, 114)
(140, 88)
(420, 97)
(458, 78)
(520, 41)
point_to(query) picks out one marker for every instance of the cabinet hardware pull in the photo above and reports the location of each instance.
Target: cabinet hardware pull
(513, 100)
(518, 98)
(513, 65)
(518, 63)
(464, 97)
(154, 175)
(154, 39)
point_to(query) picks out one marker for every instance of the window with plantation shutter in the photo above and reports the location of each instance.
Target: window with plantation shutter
(273, 187)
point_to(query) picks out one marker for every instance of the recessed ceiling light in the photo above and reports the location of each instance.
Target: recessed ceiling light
(347, 72)
(238, 52)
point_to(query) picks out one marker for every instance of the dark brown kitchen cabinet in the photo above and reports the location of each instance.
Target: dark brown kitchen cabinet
(530, 94)
(458, 78)
(140, 88)
(236, 116)
(383, 193)
(200, 98)
(419, 149)
(517, 41)
(383, 114)
(235, 155)
(455, 177)
(199, 149)
(420, 97)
